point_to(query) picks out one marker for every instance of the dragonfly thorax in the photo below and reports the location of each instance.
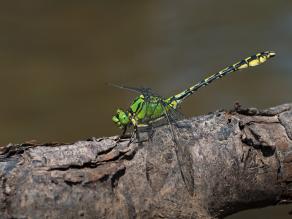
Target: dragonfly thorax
(142, 111)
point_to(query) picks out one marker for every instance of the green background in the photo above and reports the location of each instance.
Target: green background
(56, 58)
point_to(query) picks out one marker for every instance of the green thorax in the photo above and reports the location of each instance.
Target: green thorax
(148, 108)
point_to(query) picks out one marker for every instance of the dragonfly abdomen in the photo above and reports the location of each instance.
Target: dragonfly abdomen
(251, 61)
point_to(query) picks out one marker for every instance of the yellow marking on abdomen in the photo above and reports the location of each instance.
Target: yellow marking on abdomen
(245, 65)
(254, 62)
(251, 61)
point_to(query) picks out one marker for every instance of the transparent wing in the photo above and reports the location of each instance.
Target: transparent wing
(182, 138)
(147, 92)
(170, 129)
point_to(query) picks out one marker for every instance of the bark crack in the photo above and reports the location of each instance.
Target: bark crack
(285, 125)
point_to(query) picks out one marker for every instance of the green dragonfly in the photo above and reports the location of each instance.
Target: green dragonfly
(146, 109)
(149, 107)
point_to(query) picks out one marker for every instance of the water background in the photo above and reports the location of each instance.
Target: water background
(56, 58)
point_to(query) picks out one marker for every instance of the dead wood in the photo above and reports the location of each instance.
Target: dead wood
(241, 159)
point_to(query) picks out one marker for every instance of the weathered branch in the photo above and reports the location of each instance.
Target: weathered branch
(240, 159)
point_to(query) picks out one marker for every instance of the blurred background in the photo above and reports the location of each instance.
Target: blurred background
(56, 58)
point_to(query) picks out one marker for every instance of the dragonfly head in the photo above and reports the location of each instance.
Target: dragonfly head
(121, 119)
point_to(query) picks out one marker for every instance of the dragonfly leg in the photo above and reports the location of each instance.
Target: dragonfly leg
(135, 135)
(123, 135)
(124, 132)
(150, 131)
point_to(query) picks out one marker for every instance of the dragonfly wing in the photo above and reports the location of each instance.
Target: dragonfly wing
(133, 89)
(147, 92)
(182, 137)
(159, 158)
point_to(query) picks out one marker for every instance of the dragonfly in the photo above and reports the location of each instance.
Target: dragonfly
(147, 107)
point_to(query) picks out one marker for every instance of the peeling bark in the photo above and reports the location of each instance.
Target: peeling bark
(240, 159)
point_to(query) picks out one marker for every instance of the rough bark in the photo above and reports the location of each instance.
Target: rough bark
(240, 159)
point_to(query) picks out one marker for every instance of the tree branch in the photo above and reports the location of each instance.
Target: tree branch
(240, 159)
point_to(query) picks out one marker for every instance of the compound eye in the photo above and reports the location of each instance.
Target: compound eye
(115, 119)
